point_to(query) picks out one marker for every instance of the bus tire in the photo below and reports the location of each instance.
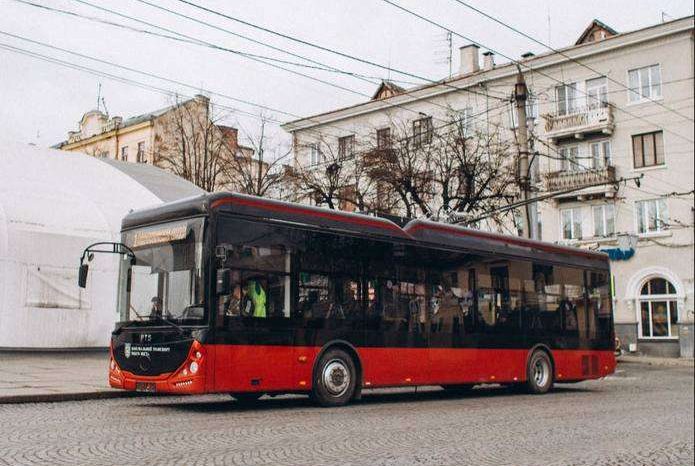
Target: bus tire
(335, 378)
(246, 398)
(539, 373)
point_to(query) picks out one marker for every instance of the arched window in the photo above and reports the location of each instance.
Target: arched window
(658, 309)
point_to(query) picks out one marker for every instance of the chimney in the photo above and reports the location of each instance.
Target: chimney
(488, 60)
(469, 59)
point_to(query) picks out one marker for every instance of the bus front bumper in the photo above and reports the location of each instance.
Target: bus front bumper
(189, 378)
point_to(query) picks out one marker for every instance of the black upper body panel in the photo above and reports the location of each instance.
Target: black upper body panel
(422, 232)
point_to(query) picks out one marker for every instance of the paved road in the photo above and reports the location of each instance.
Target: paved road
(643, 416)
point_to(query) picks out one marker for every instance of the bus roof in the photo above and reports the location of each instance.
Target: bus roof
(426, 232)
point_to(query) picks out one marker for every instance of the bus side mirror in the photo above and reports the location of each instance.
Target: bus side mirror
(223, 285)
(82, 278)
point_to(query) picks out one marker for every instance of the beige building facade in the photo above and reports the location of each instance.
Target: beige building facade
(611, 107)
(158, 138)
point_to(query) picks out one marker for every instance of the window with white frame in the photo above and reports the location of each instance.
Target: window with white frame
(567, 99)
(141, 152)
(570, 159)
(422, 131)
(644, 83)
(571, 223)
(531, 111)
(346, 146)
(596, 92)
(652, 216)
(604, 220)
(314, 155)
(600, 154)
(465, 121)
(658, 309)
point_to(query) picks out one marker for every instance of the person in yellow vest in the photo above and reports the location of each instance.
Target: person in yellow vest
(256, 293)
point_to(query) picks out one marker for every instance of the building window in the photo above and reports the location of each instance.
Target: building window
(604, 220)
(596, 93)
(570, 159)
(346, 146)
(652, 216)
(383, 138)
(124, 153)
(600, 154)
(566, 97)
(648, 149)
(645, 83)
(314, 155)
(141, 152)
(571, 223)
(465, 121)
(531, 111)
(658, 309)
(422, 131)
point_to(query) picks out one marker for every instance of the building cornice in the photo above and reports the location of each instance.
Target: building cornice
(106, 135)
(479, 78)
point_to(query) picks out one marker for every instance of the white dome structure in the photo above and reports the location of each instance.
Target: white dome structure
(52, 205)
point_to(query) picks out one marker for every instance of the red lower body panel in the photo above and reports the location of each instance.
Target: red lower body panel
(244, 368)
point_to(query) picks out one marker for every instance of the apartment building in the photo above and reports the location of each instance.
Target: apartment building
(611, 107)
(155, 137)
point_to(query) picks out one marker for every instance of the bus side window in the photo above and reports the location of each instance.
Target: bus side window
(599, 292)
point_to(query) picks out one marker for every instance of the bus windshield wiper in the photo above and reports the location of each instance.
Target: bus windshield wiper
(168, 322)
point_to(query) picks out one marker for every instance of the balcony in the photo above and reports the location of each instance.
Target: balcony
(582, 121)
(566, 180)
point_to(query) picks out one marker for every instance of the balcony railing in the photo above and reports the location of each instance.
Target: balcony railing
(593, 119)
(564, 180)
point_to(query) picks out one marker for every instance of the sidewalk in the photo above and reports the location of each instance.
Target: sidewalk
(652, 361)
(54, 376)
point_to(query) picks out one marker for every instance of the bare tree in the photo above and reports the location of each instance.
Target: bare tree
(335, 178)
(190, 143)
(258, 169)
(453, 173)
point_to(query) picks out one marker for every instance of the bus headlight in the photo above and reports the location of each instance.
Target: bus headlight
(194, 367)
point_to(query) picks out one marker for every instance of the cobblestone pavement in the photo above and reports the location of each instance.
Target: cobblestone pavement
(643, 416)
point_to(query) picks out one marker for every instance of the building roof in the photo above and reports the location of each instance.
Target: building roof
(453, 83)
(593, 26)
(387, 89)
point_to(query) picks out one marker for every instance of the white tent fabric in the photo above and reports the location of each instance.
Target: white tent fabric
(52, 205)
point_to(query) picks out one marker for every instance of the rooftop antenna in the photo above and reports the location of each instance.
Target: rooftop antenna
(98, 97)
(106, 110)
(445, 55)
(549, 31)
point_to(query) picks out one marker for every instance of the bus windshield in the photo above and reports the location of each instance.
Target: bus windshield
(166, 281)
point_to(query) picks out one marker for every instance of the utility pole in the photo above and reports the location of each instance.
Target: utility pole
(520, 98)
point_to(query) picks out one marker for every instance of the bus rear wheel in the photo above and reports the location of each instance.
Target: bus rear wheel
(335, 379)
(539, 373)
(246, 398)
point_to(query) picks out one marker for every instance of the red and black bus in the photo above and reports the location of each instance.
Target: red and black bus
(227, 293)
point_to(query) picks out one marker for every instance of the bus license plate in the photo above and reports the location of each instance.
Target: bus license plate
(148, 387)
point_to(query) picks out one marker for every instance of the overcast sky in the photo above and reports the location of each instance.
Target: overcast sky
(41, 101)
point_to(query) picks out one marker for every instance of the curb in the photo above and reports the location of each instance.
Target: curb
(663, 362)
(78, 396)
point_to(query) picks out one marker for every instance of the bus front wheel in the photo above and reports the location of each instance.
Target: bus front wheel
(335, 378)
(539, 373)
